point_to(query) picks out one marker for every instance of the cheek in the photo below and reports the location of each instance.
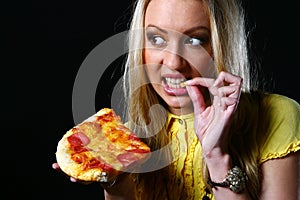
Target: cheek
(203, 65)
(153, 72)
(152, 65)
(151, 56)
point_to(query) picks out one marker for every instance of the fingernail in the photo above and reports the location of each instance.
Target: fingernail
(54, 166)
(73, 180)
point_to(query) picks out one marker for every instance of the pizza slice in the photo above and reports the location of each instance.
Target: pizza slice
(100, 145)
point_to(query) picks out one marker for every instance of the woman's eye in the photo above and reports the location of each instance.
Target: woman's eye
(156, 40)
(194, 41)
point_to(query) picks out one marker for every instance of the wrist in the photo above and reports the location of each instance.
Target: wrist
(121, 188)
(218, 164)
(221, 172)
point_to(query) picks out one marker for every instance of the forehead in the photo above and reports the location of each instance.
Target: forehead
(176, 14)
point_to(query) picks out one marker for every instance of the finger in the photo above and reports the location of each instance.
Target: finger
(197, 99)
(222, 92)
(206, 82)
(229, 91)
(55, 166)
(72, 179)
(225, 103)
(227, 78)
(229, 101)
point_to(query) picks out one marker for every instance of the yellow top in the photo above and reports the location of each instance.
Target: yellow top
(283, 132)
(282, 137)
(186, 178)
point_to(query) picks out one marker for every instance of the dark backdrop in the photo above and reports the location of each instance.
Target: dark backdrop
(43, 45)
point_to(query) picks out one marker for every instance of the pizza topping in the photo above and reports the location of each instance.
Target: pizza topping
(127, 158)
(91, 162)
(97, 163)
(109, 116)
(77, 141)
(105, 118)
(138, 150)
(133, 137)
(79, 158)
(79, 138)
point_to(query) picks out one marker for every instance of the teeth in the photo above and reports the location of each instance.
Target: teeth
(175, 82)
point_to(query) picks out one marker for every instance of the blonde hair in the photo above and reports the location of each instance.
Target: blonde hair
(229, 44)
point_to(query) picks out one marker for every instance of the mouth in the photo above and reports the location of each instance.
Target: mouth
(174, 86)
(174, 83)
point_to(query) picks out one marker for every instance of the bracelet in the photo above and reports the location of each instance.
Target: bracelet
(235, 180)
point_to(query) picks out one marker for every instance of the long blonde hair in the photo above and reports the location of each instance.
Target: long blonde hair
(229, 44)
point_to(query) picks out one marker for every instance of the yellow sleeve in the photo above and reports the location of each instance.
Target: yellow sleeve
(284, 128)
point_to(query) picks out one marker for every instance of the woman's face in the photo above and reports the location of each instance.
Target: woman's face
(177, 48)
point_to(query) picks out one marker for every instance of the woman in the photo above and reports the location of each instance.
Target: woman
(192, 99)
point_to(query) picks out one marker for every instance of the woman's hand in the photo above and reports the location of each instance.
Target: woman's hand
(211, 121)
(121, 188)
(72, 179)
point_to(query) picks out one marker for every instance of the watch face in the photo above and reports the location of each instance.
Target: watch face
(237, 179)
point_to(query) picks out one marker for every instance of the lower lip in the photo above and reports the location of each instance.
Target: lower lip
(174, 91)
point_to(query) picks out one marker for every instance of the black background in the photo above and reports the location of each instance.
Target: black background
(43, 45)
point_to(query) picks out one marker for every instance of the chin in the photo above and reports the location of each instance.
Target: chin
(177, 104)
(183, 105)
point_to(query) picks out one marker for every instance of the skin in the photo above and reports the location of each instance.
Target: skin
(183, 50)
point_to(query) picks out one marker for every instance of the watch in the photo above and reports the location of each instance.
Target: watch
(235, 180)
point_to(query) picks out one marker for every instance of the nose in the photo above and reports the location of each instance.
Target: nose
(173, 58)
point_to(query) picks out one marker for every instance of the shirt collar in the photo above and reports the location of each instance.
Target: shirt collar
(183, 117)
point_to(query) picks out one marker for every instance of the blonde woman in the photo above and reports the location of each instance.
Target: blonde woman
(192, 99)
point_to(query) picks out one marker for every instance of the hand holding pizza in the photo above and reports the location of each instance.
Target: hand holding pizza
(72, 179)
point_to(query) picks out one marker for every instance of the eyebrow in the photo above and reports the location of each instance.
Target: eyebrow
(154, 26)
(185, 32)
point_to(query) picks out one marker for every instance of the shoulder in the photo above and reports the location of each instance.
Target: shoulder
(269, 106)
(280, 106)
(281, 117)
(278, 100)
